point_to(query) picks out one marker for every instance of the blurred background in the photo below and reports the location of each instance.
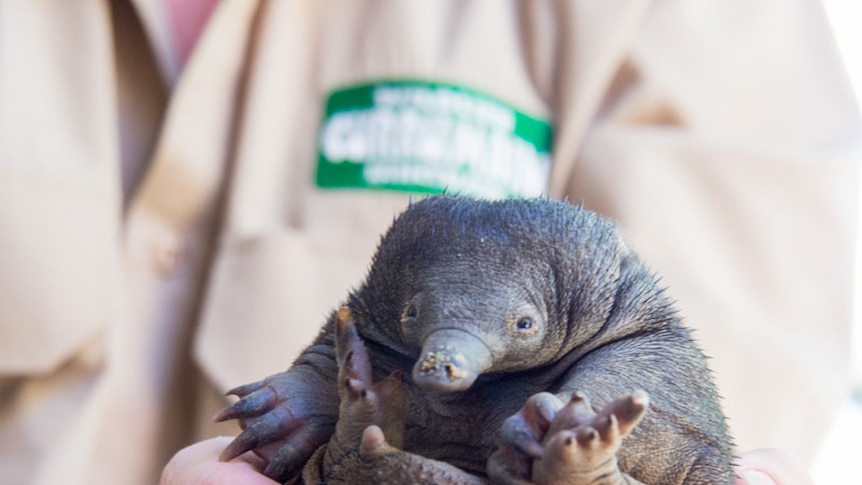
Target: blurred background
(837, 461)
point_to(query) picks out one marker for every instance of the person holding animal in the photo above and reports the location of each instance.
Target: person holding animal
(178, 217)
(562, 308)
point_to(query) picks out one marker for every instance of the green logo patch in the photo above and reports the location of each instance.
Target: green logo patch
(425, 137)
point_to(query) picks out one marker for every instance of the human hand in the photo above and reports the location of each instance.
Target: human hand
(199, 464)
(770, 467)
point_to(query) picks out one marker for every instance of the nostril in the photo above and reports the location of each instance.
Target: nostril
(453, 371)
(442, 365)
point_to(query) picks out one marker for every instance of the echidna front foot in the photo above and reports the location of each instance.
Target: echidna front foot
(549, 442)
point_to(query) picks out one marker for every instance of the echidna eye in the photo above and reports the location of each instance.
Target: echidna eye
(524, 324)
(410, 312)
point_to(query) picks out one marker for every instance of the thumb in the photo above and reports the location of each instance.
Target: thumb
(754, 477)
(770, 467)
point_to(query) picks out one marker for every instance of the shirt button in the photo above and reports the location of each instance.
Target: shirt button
(167, 252)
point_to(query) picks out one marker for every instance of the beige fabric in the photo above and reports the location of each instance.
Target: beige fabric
(63, 183)
(146, 238)
(740, 190)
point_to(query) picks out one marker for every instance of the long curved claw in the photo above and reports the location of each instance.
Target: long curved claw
(289, 460)
(287, 416)
(245, 389)
(254, 404)
(266, 429)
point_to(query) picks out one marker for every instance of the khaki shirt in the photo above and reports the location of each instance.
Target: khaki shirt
(163, 238)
